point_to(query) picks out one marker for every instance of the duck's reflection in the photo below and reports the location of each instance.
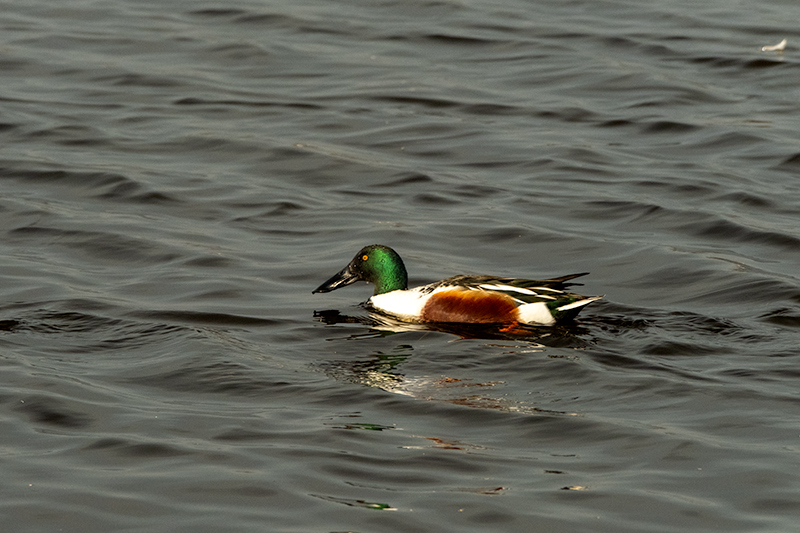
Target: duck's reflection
(382, 369)
(378, 370)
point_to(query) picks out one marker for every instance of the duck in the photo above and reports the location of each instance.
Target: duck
(458, 299)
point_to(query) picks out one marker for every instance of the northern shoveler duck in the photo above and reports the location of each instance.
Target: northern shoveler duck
(462, 299)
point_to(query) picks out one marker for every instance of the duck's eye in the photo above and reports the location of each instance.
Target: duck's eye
(364, 257)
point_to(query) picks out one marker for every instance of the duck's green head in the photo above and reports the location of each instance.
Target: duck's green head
(376, 264)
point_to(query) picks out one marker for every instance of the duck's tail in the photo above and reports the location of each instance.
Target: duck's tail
(579, 303)
(569, 311)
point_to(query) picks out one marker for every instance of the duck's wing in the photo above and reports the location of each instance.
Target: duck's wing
(561, 279)
(475, 281)
(549, 291)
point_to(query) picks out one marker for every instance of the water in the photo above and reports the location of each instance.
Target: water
(175, 179)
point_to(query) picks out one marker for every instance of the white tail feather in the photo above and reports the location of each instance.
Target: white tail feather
(579, 303)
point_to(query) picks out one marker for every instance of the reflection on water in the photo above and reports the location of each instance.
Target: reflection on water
(378, 370)
(383, 370)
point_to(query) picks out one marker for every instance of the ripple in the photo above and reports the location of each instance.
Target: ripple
(408, 178)
(102, 185)
(222, 377)
(457, 40)
(669, 126)
(108, 247)
(791, 162)
(420, 101)
(50, 411)
(195, 101)
(672, 348)
(748, 199)
(218, 12)
(197, 317)
(126, 449)
(726, 230)
(783, 317)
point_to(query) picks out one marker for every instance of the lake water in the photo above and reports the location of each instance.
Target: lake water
(177, 177)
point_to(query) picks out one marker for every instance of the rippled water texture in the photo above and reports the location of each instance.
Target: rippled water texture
(176, 177)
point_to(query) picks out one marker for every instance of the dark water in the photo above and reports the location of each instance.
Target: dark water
(176, 177)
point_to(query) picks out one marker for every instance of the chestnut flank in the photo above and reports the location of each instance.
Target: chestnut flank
(461, 305)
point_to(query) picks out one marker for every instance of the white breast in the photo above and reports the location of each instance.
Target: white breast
(406, 304)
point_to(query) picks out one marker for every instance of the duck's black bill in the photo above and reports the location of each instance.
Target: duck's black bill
(341, 279)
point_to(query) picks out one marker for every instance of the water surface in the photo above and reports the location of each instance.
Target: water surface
(175, 179)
